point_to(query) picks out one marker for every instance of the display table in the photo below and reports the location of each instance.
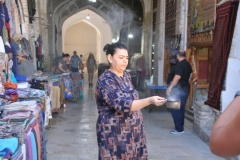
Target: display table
(22, 132)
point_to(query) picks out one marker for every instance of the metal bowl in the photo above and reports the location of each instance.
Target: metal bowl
(173, 104)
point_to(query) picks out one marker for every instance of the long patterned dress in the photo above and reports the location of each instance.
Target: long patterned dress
(120, 132)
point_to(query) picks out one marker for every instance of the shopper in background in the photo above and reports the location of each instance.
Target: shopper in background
(75, 62)
(62, 64)
(91, 67)
(179, 89)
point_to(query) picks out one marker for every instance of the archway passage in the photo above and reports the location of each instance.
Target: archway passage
(116, 15)
(86, 35)
(81, 37)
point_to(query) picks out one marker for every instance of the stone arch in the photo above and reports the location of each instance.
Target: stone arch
(104, 30)
(58, 20)
(63, 9)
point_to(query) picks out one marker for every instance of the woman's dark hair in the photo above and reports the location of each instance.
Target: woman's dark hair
(65, 55)
(111, 48)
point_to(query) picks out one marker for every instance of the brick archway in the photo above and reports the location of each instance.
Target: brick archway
(108, 9)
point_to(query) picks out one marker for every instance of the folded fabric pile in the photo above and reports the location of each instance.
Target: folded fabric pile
(11, 91)
(36, 93)
(22, 134)
(23, 90)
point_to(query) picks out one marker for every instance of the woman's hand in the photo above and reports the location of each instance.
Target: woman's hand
(157, 101)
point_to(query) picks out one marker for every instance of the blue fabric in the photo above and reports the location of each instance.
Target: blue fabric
(10, 143)
(34, 147)
(75, 61)
(35, 136)
(178, 115)
(13, 77)
(14, 53)
(21, 78)
(5, 153)
(44, 141)
(157, 87)
(7, 49)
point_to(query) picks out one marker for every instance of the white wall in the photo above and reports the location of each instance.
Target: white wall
(98, 23)
(233, 69)
(82, 38)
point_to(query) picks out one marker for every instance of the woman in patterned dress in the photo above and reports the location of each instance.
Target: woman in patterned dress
(120, 129)
(62, 64)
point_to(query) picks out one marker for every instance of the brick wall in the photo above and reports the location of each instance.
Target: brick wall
(146, 39)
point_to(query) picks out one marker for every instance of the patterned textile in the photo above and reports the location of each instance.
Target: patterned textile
(26, 46)
(120, 132)
(75, 61)
(11, 9)
(222, 40)
(10, 91)
(17, 114)
(68, 92)
(76, 88)
(4, 16)
(10, 130)
(36, 93)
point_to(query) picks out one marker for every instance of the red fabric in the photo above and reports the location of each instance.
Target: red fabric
(40, 50)
(222, 40)
(7, 24)
(203, 69)
(14, 97)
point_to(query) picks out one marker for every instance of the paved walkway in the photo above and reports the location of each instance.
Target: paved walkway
(72, 135)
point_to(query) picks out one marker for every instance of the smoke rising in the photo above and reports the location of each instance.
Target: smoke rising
(118, 16)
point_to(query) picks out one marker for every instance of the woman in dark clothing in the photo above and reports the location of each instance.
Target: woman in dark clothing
(91, 67)
(120, 129)
(62, 64)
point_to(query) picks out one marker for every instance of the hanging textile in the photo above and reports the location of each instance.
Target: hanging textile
(26, 46)
(5, 34)
(11, 10)
(4, 17)
(222, 40)
(14, 59)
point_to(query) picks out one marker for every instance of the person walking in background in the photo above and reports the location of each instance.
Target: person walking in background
(91, 67)
(75, 62)
(179, 89)
(120, 128)
(82, 65)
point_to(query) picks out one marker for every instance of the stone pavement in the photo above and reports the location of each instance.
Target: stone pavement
(72, 135)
